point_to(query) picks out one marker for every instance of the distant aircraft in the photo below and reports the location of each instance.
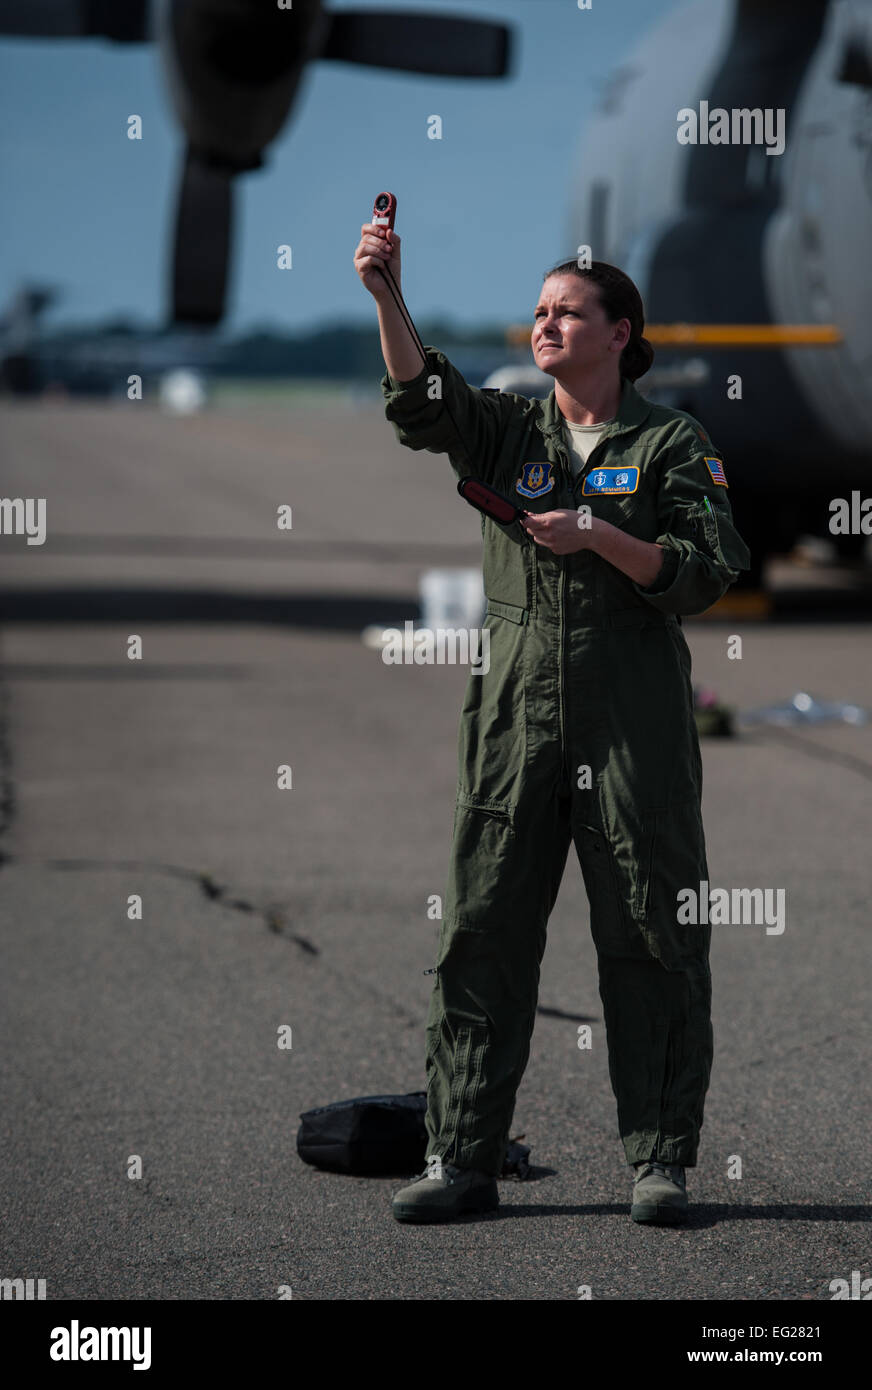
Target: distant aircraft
(98, 363)
(233, 69)
(18, 337)
(751, 265)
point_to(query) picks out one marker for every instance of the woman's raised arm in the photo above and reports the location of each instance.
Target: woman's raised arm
(380, 247)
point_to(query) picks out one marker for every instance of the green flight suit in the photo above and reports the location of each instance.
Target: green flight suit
(588, 670)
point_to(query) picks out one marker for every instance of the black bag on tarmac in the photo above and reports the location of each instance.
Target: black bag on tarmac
(372, 1134)
(382, 1135)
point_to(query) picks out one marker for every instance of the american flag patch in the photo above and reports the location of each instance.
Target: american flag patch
(716, 468)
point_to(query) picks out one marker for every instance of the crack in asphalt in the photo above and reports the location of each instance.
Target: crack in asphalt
(798, 740)
(7, 783)
(274, 916)
(7, 780)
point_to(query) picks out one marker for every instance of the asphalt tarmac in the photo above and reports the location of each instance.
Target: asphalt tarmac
(307, 907)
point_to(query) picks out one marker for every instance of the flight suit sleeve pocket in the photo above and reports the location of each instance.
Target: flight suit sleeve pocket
(694, 519)
(724, 542)
(711, 534)
(703, 558)
(706, 530)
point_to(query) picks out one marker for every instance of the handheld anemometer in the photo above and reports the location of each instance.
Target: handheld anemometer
(384, 210)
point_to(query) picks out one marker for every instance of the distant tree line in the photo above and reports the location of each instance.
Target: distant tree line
(344, 351)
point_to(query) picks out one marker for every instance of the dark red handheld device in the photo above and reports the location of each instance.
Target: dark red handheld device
(384, 210)
(486, 499)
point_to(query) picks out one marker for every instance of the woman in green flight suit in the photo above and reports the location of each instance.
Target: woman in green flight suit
(582, 730)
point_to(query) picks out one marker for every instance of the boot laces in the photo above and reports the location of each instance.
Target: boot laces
(667, 1170)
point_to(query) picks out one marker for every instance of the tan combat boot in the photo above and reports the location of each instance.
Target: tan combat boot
(443, 1192)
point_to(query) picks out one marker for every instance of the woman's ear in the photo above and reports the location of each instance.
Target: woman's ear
(623, 333)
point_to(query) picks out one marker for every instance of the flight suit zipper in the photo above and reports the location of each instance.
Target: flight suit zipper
(562, 668)
(564, 564)
(572, 484)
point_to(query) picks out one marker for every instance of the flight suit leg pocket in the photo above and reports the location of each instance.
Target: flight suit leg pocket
(610, 923)
(492, 738)
(486, 872)
(644, 867)
(672, 867)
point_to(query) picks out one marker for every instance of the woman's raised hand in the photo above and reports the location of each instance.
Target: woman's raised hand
(378, 246)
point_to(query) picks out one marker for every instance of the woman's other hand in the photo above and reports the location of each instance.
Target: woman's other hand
(562, 532)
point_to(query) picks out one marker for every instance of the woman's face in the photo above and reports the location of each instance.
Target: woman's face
(571, 333)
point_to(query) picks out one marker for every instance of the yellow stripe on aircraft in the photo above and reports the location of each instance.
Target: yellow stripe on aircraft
(754, 335)
(744, 334)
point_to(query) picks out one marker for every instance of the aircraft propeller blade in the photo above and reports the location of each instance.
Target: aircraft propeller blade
(415, 42)
(126, 21)
(202, 245)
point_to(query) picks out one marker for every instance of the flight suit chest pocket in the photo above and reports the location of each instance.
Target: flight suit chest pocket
(508, 569)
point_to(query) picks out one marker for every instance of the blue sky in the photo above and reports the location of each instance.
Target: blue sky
(91, 211)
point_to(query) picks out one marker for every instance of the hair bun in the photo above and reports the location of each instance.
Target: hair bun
(636, 358)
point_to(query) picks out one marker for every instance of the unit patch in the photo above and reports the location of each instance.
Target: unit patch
(535, 479)
(610, 481)
(716, 468)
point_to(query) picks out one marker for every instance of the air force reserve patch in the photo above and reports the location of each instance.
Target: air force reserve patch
(610, 480)
(716, 468)
(535, 479)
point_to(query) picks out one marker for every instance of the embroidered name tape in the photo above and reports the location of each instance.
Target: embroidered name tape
(535, 479)
(610, 480)
(716, 468)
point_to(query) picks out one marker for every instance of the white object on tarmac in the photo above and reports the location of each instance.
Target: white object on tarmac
(450, 598)
(182, 392)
